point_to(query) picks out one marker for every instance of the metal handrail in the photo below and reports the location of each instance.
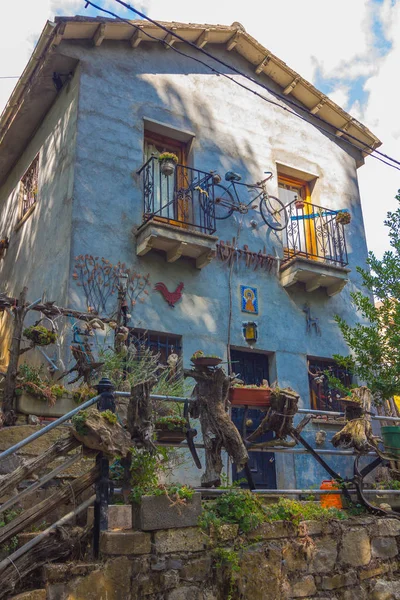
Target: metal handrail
(48, 428)
(313, 233)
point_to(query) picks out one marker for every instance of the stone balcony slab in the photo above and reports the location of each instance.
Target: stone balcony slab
(314, 274)
(175, 242)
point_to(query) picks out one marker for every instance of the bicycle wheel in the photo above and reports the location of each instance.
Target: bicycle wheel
(273, 212)
(224, 202)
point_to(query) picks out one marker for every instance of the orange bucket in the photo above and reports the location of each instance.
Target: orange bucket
(330, 500)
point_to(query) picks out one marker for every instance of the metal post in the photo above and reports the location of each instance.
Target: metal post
(106, 402)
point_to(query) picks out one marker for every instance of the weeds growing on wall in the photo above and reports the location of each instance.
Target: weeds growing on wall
(245, 509)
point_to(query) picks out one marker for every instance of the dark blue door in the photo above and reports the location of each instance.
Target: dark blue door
(252, 368)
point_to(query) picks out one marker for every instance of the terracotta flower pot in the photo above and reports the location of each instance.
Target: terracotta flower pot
(250, 397)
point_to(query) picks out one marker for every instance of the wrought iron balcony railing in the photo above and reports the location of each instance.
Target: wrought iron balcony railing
(184, 199)
(314, 233)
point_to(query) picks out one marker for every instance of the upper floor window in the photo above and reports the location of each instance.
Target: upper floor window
(28, 190)
(161, 344)
(324, 395)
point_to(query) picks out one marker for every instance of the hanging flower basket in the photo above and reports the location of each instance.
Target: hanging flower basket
(250, 396)
(343, 218)
(40, 335)
(168, 162)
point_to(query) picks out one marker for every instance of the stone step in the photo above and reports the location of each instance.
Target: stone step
(31, 595)
(62, 572)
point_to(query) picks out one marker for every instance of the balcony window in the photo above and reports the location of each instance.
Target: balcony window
(314, 243)
(28, 190)
(323, 394)
(178, 209)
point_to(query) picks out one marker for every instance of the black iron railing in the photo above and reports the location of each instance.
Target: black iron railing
(185, 198)
(314, 233)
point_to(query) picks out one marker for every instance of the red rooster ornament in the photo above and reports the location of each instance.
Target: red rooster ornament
(170, 297)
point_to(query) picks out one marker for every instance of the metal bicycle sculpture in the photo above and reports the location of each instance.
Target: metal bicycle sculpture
(229, 199)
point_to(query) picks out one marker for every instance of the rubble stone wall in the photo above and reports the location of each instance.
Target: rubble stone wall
(357, 558)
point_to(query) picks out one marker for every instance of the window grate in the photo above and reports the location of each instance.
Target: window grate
(29, 187)
(323, 395)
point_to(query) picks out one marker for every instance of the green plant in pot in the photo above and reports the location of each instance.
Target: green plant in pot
(168, 161)
(343, 217)
(40, 335)
(170, 428)
(201, 359)
(33, 382)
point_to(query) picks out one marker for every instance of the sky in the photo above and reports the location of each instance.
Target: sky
(349, 49)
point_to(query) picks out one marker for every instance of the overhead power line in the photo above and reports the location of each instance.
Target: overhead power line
(10, 77)
(244, 75)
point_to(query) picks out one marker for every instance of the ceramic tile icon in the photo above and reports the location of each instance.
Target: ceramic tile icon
(249, 299)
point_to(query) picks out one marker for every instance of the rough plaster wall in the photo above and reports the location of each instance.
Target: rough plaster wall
(234, 131)
(39, 252)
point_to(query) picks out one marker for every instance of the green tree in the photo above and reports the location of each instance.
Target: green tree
(375, 347)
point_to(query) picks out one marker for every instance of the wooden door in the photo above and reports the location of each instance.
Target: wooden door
(172, 206)
(253, 368)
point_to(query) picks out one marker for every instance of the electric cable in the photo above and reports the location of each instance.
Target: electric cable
(252, 79)
(213, 69)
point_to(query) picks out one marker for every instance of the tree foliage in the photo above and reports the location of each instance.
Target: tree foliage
(375, 347)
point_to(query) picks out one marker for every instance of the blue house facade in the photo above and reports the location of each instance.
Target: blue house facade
(97, 104)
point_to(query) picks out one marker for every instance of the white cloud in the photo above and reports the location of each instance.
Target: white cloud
(337, 40)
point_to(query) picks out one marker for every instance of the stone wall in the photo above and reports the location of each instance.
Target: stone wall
(353, 559)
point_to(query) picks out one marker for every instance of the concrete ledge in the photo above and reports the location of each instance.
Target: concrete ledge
(119, 517)
(125, 542)
(157, 512)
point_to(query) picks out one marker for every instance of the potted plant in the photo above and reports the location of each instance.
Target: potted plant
(343, 217)
(40, 335)
(250, 395)
(299, 202)
(168, 161)
(171, 428)
(37, 395)
(157, 505)
(200, 359)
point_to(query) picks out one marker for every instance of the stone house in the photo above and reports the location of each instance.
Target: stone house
(80, 135)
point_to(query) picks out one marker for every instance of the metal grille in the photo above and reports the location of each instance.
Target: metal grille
(29, 187)
(159, 343)
(313, 233)
(323, 395)
(185, 198)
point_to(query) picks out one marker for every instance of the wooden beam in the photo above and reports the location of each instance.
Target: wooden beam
(59, 448)
(289, 88)
(202, 39)
(99, 35)
(233, 41)
(59, 35)
(170, 39)
(318, 106)
(262, 64)
(176, 252)
(137, 37)
(342, 130)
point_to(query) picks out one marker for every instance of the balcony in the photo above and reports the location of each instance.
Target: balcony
(178, 213)
(315, 252)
